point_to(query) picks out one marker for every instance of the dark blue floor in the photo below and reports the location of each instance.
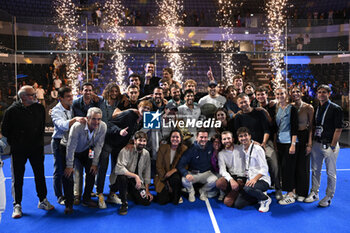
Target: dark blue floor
(187, 217)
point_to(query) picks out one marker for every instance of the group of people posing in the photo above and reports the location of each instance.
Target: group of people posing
(259, 144)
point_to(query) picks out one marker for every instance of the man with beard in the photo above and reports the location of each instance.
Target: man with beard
(257, 122)
(164, 84)
(249, 89)
(112, 100)
(190, 84)
(176, 95)
(158, 101)
(231, 164)
(24, 127)
(212, 101)
(189, 110)
(133, 172)
(195, 167)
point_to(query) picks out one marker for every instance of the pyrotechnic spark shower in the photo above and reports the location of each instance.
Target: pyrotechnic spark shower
(113, 9)
(67, 21)
(226, 24)
(170, 21)
(276, 21)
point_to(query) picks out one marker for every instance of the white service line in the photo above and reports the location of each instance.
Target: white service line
(212, 217)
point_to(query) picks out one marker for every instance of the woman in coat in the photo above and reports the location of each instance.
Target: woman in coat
(168, 180)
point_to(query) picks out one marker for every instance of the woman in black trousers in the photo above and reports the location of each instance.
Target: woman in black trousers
(305, 116)
(287, 129)
(168, 180)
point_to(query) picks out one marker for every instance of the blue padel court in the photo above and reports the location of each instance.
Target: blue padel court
(200, 216)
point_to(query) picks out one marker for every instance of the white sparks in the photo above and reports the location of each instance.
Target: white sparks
(276, 21)
(113, 10)
(67, 21)
(170, 21)
(224, 17)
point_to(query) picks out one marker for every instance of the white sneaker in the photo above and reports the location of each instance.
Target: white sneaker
(17, 211)
(203, 195)
(265, 205)
(113, 198)
(181, 200)
(45, 205)
(300, 199)
(101, 201)
(191, 197)
(325, 202)
(287, 200)
(312, 197)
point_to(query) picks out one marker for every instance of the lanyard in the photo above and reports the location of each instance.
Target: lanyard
(250, 156)
(324, 114)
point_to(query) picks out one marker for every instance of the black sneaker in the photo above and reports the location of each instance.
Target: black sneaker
(68, 210)
(279, 195)
(61, 200)
(123, 209)
(89, 203)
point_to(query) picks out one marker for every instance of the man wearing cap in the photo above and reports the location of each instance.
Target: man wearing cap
(212, 101)
(328, 127)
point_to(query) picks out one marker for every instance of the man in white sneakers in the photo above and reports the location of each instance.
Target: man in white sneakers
(328, 127)
(256, 171)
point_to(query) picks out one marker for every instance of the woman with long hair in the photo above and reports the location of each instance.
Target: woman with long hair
(305, 116)
(221, 114)
(167, 181)
(287, 128)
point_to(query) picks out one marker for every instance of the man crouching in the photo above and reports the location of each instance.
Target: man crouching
(133, 172)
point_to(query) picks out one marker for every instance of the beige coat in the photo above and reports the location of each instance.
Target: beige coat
(163, 164)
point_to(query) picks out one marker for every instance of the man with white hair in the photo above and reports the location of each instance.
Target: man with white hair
(24, 127)
(85, 142)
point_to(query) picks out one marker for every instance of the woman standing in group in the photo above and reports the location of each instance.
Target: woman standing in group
(305, 116)
(168, 180)
(287, 128)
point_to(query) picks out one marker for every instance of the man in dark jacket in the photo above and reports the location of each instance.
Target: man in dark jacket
(24, 127)
(198, 158)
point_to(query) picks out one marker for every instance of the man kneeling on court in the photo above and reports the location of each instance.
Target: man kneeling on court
(84, 143)
(133, 172)
(256, 172)
(198, 159)
(231, 168)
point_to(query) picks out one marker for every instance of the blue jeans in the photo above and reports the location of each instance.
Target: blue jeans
(103, 166)
(58, 168)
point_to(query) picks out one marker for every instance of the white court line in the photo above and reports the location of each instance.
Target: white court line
(212, 216)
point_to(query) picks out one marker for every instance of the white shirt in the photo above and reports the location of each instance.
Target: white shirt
(90, 134)
(231, 162)
(218, 101)
(256, 164)
(57, 83)
(184, 112)
(40, 93)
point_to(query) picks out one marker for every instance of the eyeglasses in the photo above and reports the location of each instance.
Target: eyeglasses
(32, 95)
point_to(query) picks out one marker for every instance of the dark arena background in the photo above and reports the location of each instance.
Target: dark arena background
(48, 44)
